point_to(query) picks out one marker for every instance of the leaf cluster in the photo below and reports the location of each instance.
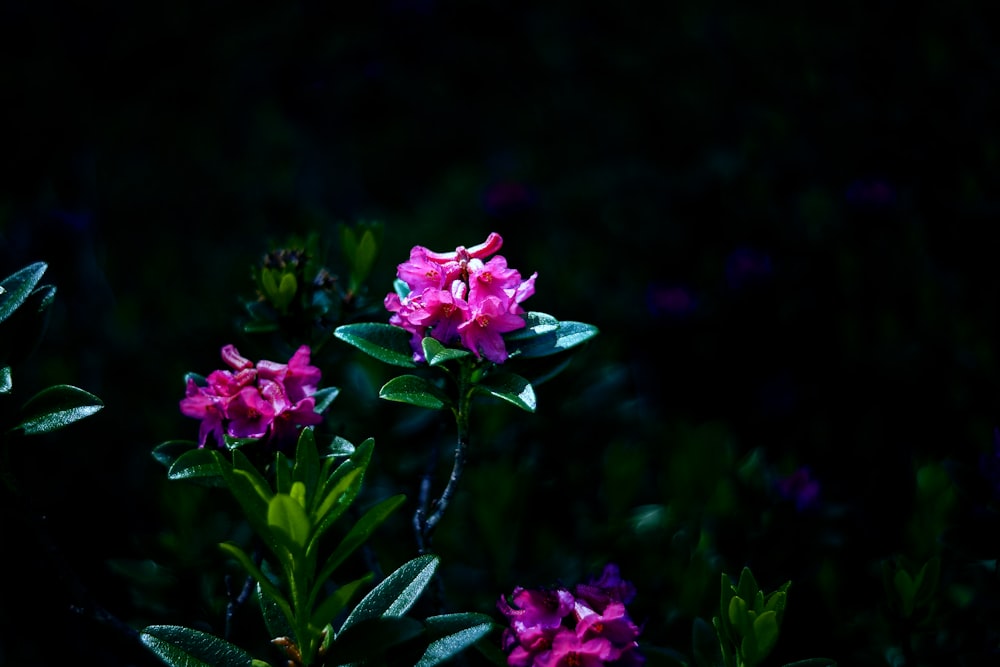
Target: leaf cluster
(291, 514)
(24, 306)
(542, 340)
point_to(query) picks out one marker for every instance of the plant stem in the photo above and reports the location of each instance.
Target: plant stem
(429, 514)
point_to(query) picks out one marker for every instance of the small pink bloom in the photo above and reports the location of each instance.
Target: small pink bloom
(481, 332)
(250, 414)
(233, 358)
(491, 245)
(568, 650)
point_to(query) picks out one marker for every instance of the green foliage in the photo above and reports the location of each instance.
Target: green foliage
(746, 628)
(911, 595)
(24, 304)
(543, 336)
(291, 514)
(184, 647)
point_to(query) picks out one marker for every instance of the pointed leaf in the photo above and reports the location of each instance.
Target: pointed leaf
(168, 452)
(340, 490)
(536, 324)
(275, 621)
(286, 514)
(265, 584)
(56, 407)
(15, 288)
(452, 634)
(416, 391)
(387, 343)
(358, 533)
(436, 354)
(396, 593)
(6, 382)
(251, 492)
(324, 398)
(184, 647)
(338, 447)
(364, 257)
(307, 463)
(739, 617)
(546, 341)
(509, 387)
(765, 630)
(747, 587)
(332, 605)
(201, 465)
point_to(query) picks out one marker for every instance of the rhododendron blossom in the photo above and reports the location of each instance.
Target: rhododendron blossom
(464, 297)
(269, 400)
(588, 625)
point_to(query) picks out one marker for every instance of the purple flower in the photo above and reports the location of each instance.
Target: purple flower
(800, 488)
(587, 626)
(465, 297)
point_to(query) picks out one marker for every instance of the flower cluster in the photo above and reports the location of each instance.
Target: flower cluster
(267, 400)
(461, 297)
(586, 627)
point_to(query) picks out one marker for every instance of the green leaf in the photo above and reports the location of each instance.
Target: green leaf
(332, 605)
(307, 463)
(765, 631)
(541, 340)
(251, 492)
(340, 490)
(358, 533)
(364, 257)
(747, 587)
(739, 616)
(452, 634)
(339, 447)
(15, 288)
(324, 397)
(56, 407)
(275, 621)
(387, 343)
(396, 593)
(509, 387)
(200, 465)
(178, 646)
(536, 324)
(286, 291)
(286, 514)
(436, 354)
(168, 452)
(265, 584)
(416, 391)
(6, 382)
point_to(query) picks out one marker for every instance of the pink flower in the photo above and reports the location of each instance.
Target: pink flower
(568, 650)
(267, 400)
(555, 627)
(249, 414)
(463, 297)
(481, 331)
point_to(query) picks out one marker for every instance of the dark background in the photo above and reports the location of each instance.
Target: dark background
(780, 218)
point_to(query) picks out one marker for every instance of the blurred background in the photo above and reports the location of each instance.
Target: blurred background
(780, 219)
